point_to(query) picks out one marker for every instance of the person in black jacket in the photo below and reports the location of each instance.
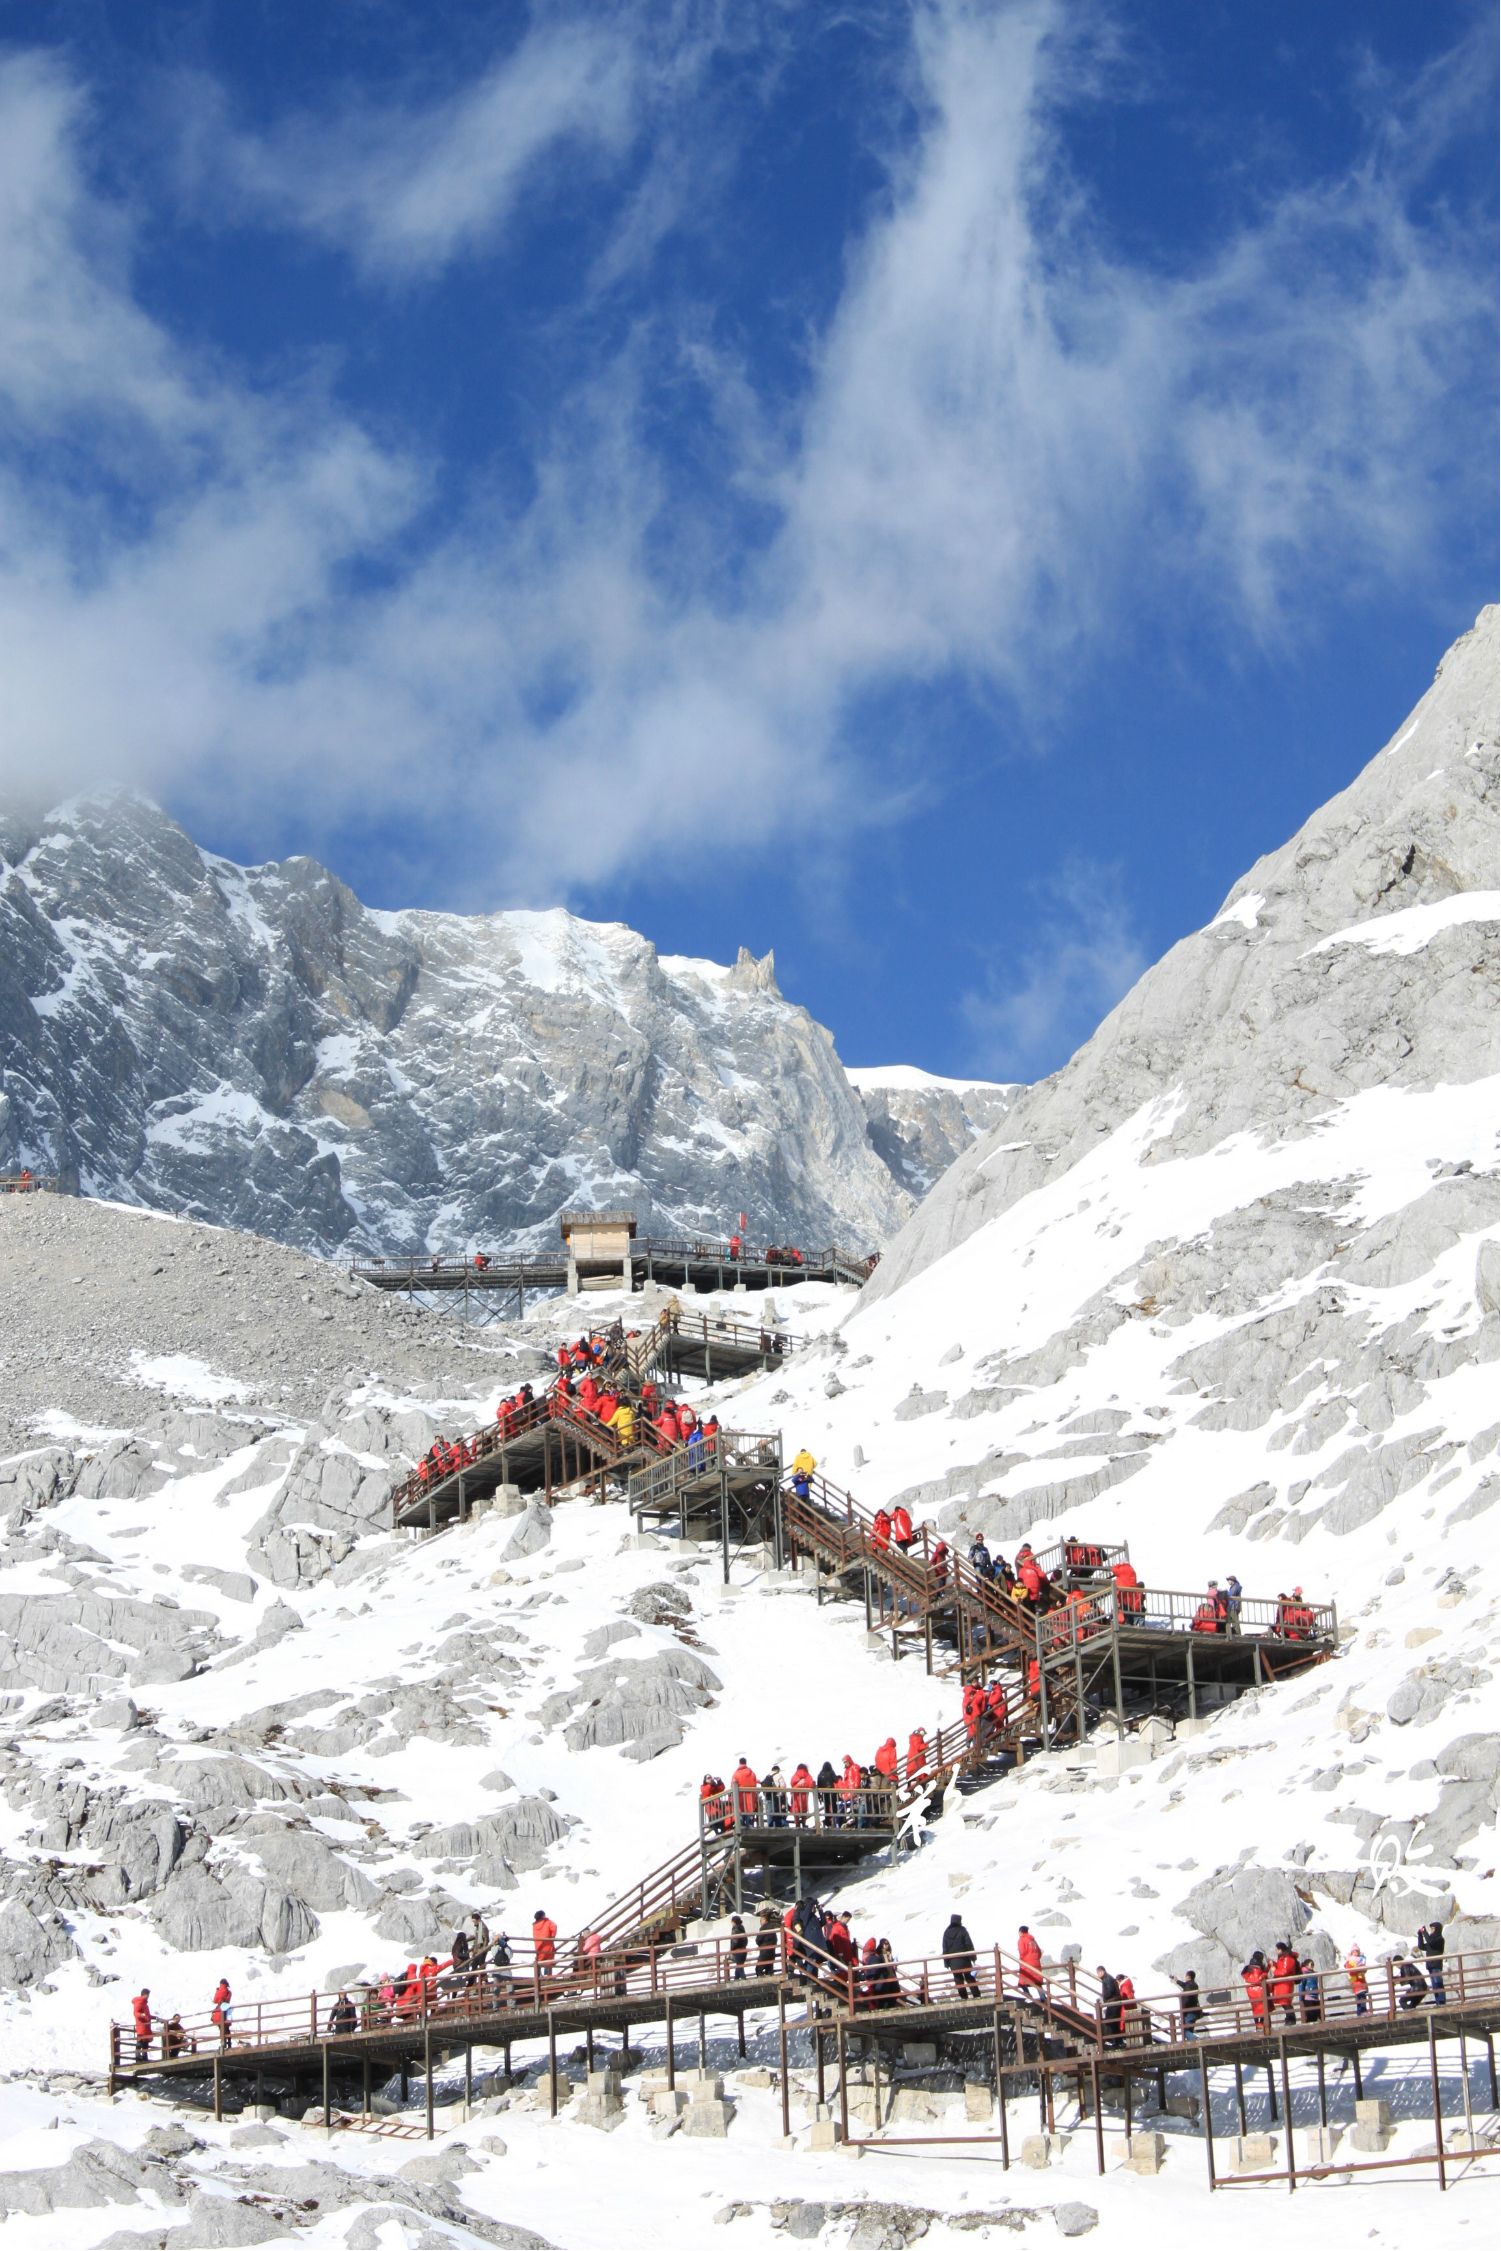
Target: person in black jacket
(1112, 2009)
(1431, 1947)
(1193, 2007)
(768, 1932)
(958, 1950)
(828, 1795)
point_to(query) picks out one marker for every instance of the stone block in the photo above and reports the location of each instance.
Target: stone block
(757, 2077)
(706, 2083)
(1314, 2145)
(1039, 2151)
(600, 2104)
(507, 1500)
(1371, 2141)
(824, 2133)
(978, 2101)
(914, 2106)
(668, 2102)
(1142, 2153)
(545, 2087)
(1253, 2153)
(1371, 2110)
(707, 2119)
(1183, 2106)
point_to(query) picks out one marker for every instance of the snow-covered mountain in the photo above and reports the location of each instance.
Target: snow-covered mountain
(1225, 1288)
(252, 1046)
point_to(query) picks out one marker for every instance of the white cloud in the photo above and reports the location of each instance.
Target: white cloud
(1085, 955)
(1008, 443)
(406, 189)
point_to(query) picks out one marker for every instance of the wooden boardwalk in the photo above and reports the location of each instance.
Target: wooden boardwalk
(672, 1263)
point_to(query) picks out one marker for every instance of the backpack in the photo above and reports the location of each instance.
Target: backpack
(500, 1949)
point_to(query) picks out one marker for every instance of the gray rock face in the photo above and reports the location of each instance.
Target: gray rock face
(1358, 961)
(69, 1642)
(920, 1125)
(30, 1945)
(250, 1045)
(1258, 1023)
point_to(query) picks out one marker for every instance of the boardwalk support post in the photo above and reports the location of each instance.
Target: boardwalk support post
(328, 2112)
(844, 2091)
(1287, 2116)
(782, 2060)
(552, 2066)
(218, 2088)
(427, 2065)
(1438, 2113)
(1099, 2118)
(1208, 2117)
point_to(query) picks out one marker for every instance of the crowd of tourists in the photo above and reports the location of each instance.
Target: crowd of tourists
(849, 1796)
(815, 1945)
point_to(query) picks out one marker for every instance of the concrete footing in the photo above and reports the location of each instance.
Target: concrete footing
(1142, 2153)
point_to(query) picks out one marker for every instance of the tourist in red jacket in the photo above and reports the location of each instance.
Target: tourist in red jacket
(747, 1789)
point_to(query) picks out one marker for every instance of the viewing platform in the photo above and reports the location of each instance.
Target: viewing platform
(603, 1251)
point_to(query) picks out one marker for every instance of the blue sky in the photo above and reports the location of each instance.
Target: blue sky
(933, 489)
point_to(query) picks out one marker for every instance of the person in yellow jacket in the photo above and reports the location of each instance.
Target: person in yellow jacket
(804, 1465)
(623, 1423)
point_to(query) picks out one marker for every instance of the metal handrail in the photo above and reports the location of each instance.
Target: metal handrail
(1283, 1618)
(1064, 1997)
(735, 1449)
(446, 1999)
(830, 1509)
(1059, 1557)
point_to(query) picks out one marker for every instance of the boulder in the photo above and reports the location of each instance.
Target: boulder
(300, 1863)
(202, 1911)
(532, 1534)
(30, 1944)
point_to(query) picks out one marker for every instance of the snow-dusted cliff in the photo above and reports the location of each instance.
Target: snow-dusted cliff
(252, 1046)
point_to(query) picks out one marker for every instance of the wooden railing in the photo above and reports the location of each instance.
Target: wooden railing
(1285, 1619)
(1065, 2000)
(1080, 1559)
(29, 1183)
(657, 1482)
(832, 1522)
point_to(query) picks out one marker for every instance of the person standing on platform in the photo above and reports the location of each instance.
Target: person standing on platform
(958, 1950)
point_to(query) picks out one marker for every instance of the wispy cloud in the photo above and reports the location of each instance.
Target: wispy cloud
(406, 188)
(1009, 442)
(1085, 955)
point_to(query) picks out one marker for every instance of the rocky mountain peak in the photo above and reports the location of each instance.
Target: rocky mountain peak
(254, 1046)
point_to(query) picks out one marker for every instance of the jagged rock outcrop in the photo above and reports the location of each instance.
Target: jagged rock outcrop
(1352, 970)
(1275, 1012)
(919, 1124)
(253, 1046)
